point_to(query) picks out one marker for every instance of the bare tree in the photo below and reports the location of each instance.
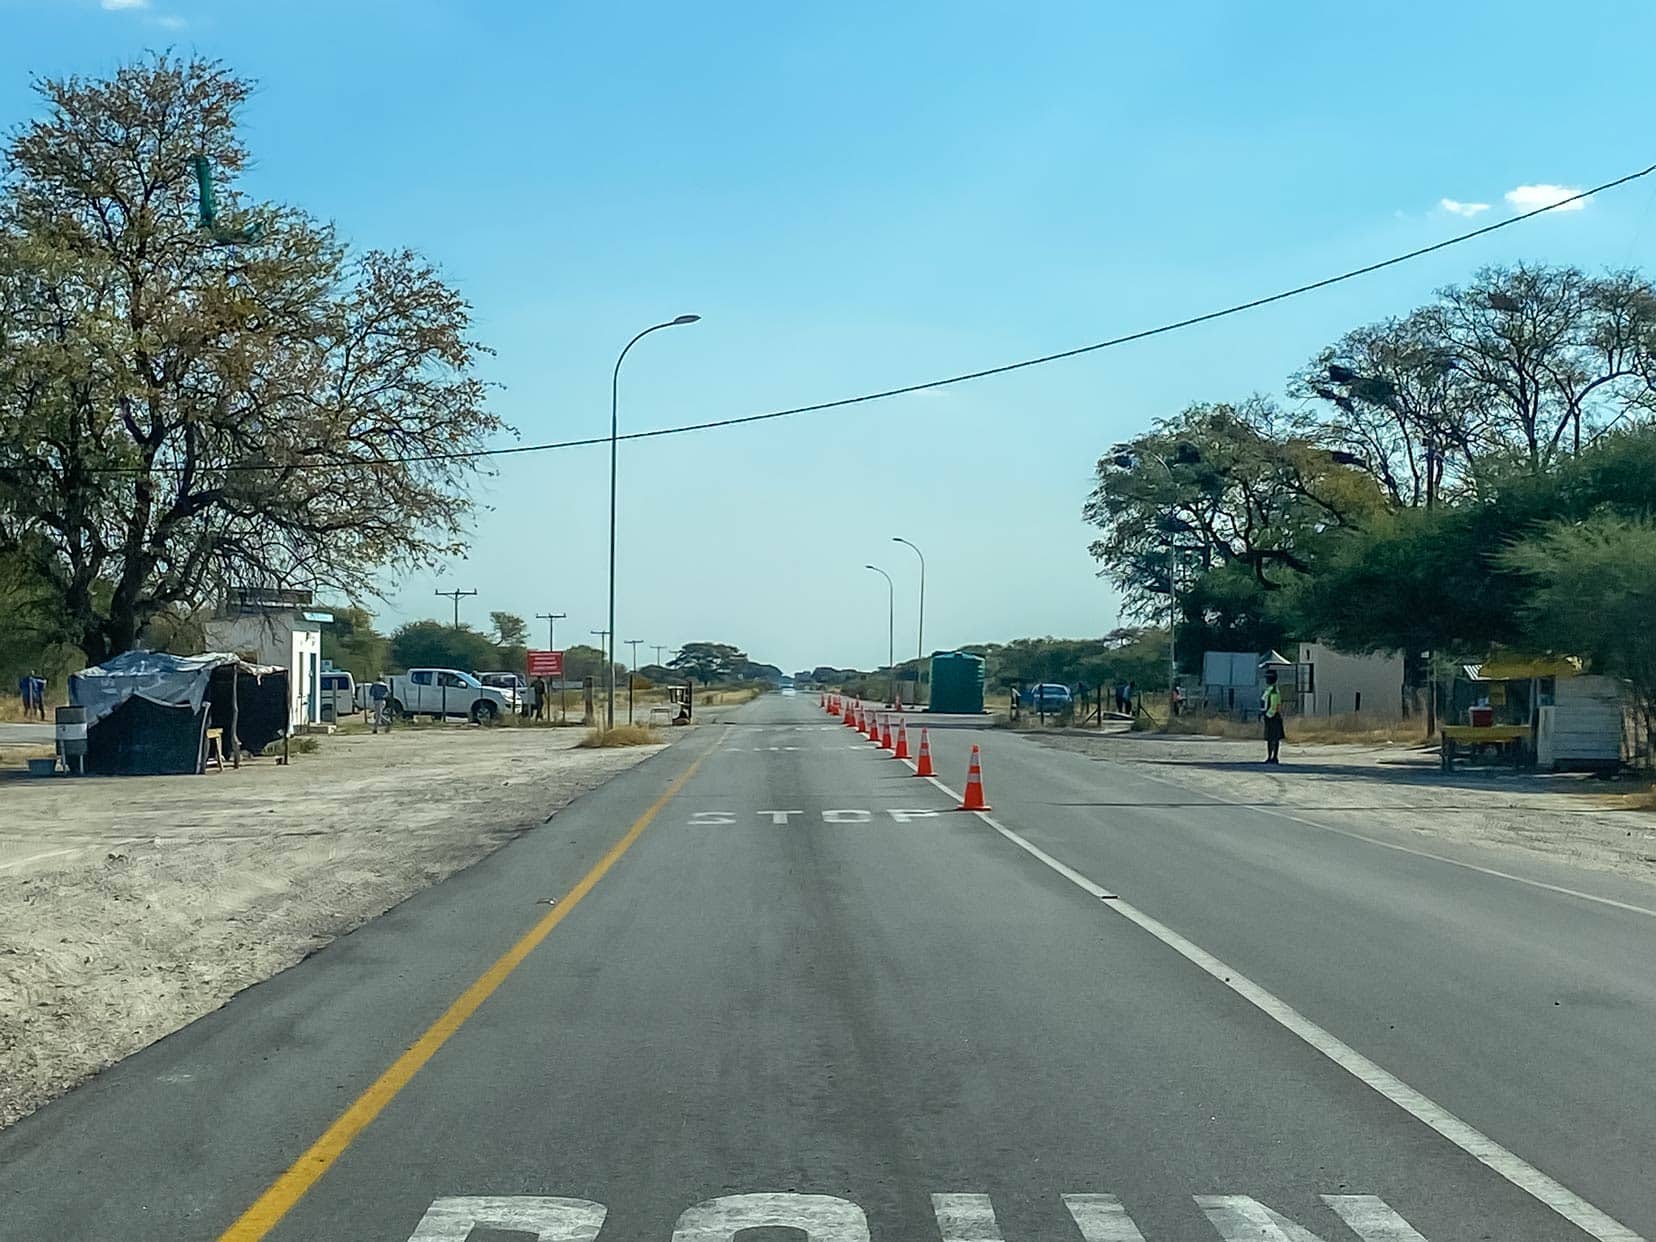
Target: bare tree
(1546, 353)
(184, 409)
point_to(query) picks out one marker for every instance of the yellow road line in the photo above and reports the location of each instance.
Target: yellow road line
(277, 1201)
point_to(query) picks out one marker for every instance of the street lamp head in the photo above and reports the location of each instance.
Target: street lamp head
(687, 319)
(875, 568)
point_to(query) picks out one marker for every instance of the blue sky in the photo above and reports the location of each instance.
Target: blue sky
(857, 196)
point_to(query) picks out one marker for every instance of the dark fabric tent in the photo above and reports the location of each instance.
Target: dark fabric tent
(148, 713)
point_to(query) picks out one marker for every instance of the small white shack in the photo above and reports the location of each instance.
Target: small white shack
(1338, 683)
(279, 628)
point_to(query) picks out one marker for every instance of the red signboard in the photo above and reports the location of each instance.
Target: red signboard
(546, 664)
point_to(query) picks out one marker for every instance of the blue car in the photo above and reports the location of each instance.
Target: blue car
(1047, 697)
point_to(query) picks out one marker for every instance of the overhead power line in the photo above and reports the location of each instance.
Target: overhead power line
(986, 372)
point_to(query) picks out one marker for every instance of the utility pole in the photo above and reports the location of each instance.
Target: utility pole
(659, 648)
(608, 672)
(634, 643)
(551, 619)
(456, 596)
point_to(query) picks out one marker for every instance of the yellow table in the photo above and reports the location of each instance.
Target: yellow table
(1514, 738)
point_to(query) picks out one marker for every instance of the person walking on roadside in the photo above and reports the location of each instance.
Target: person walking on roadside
(540, 689)
(39, 694)
(1270, 708)
(379, 699)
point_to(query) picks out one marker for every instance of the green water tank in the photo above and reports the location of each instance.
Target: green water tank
(956, 682)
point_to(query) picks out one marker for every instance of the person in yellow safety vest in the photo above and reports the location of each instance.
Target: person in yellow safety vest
(1270, 707)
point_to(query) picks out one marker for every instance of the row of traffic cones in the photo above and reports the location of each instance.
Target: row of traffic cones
(876, 726)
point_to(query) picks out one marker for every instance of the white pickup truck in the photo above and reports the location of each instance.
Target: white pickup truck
(439, 692)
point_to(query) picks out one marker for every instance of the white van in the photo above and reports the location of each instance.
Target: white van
(338, 694)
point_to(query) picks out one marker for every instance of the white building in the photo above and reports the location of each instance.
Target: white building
(279, 628)
(1337, 683)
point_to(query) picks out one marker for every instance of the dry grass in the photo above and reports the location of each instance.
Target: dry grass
(1349, 728)
(11, 710)
(621, 735)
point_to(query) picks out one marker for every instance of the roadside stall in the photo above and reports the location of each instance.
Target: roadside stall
(1494, 707)
(153, 714)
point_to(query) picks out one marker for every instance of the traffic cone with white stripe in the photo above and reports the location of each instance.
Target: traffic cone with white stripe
(885, 734)
(902, 740)
(973, 800)
(874, 727)
(922, 765)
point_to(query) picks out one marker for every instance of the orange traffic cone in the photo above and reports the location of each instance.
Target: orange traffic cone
(974, 786)
(874, 727)
(922, 766)
(885, 734)
(902, 740)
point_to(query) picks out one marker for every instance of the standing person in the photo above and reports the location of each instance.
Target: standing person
(540, 698)
(39, 695)
(1132, 694)
(1270, 707)
(379, 700)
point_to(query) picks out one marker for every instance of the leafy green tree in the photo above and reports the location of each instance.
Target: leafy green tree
(709, 661)
(582, 661)
(1221, 484)
(352, 643)
(179, 416)
(431, 644)
(510, 630)
(1592, 592)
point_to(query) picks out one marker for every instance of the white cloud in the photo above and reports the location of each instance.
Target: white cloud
(1530, 197)
(113, 5)
(1462, 209)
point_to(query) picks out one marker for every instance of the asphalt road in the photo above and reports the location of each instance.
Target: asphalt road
(785, 991)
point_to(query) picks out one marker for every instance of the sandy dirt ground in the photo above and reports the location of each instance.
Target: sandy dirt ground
(131, 906)
(1563, 818)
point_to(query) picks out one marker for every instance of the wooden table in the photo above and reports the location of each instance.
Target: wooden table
(1513, 738)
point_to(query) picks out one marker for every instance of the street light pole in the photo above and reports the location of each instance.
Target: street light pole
(891, 631)
(1124, 457)
(615, 405)
(920, 629)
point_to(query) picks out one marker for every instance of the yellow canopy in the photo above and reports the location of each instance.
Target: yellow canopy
(1512, 666)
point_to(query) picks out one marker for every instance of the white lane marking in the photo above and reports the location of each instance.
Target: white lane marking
(822, 1218)
(1101, 1218)
(1571, 1206)
(549, 1220)
(779, 817)
(909, 816)
(1496, 872)
(702, 819)
(1239, 1218)
(966, 1218)
(847, 817)
(1371, 1219)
